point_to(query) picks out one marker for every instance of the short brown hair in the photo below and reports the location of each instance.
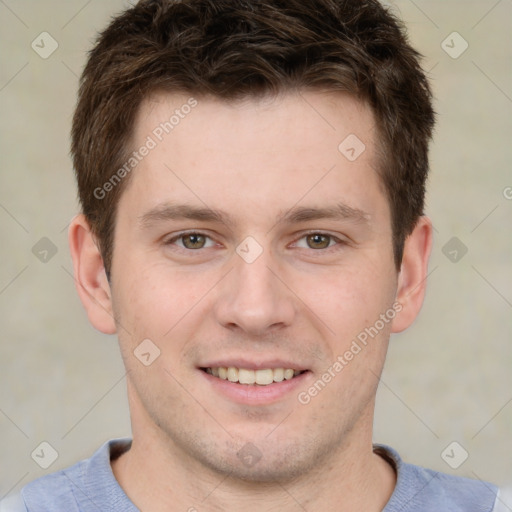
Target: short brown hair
(234, 49)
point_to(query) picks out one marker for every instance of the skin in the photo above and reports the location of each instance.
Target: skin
(303, 300)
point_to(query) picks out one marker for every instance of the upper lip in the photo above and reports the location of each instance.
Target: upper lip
(253, 364)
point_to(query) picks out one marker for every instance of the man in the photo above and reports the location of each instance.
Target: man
(252, 177)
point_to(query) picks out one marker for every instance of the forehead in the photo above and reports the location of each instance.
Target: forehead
(272, 150)
(315, 112)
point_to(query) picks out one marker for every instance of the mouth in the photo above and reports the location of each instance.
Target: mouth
(249, 377)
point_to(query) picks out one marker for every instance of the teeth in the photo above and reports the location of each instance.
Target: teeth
(278, 375)
(232, 374)
(246, 376)
(260, 377)
(264, 377)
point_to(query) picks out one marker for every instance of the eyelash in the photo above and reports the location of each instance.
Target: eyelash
(338, 241)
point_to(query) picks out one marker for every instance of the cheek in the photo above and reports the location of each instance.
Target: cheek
(153, 300)
(349, 306)
(347, 300)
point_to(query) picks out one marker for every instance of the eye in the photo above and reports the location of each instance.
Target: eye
(318, 241)
(192, 241)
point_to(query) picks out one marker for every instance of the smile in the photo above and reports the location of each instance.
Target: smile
(262, 377)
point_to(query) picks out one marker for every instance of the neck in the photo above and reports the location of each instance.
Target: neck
(158, 476)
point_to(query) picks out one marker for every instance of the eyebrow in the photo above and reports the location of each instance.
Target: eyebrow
(297, 214)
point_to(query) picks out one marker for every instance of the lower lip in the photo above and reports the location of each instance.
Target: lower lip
(254, 394)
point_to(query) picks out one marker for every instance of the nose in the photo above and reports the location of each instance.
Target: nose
(254, 298)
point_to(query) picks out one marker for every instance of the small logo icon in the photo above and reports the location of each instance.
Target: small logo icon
(454, 45)
(44, 45)
(454, 455)
(454, 250)
(44, 250)
(352, 147)
(44, 455)
(249, 455)
(249, 250)
(147, 352)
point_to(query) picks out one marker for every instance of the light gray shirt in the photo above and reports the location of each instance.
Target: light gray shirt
(90, 486)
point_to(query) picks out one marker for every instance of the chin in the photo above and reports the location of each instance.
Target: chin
(269, 462)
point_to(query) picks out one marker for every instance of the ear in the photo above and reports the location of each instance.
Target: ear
(90, 277)
(412, 279)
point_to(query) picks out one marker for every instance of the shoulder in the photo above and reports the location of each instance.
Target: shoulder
(454, 493)
(50, 492)
(57, 490)
(81, 487)
(420, 489)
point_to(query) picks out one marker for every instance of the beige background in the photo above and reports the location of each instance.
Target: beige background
(447, 379)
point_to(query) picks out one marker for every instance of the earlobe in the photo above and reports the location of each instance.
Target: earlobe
(412, 278)
(90, 277)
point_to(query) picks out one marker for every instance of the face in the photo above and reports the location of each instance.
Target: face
(251, 246)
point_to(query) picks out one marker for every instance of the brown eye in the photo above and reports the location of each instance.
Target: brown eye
(193, 241)
(318, 241)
